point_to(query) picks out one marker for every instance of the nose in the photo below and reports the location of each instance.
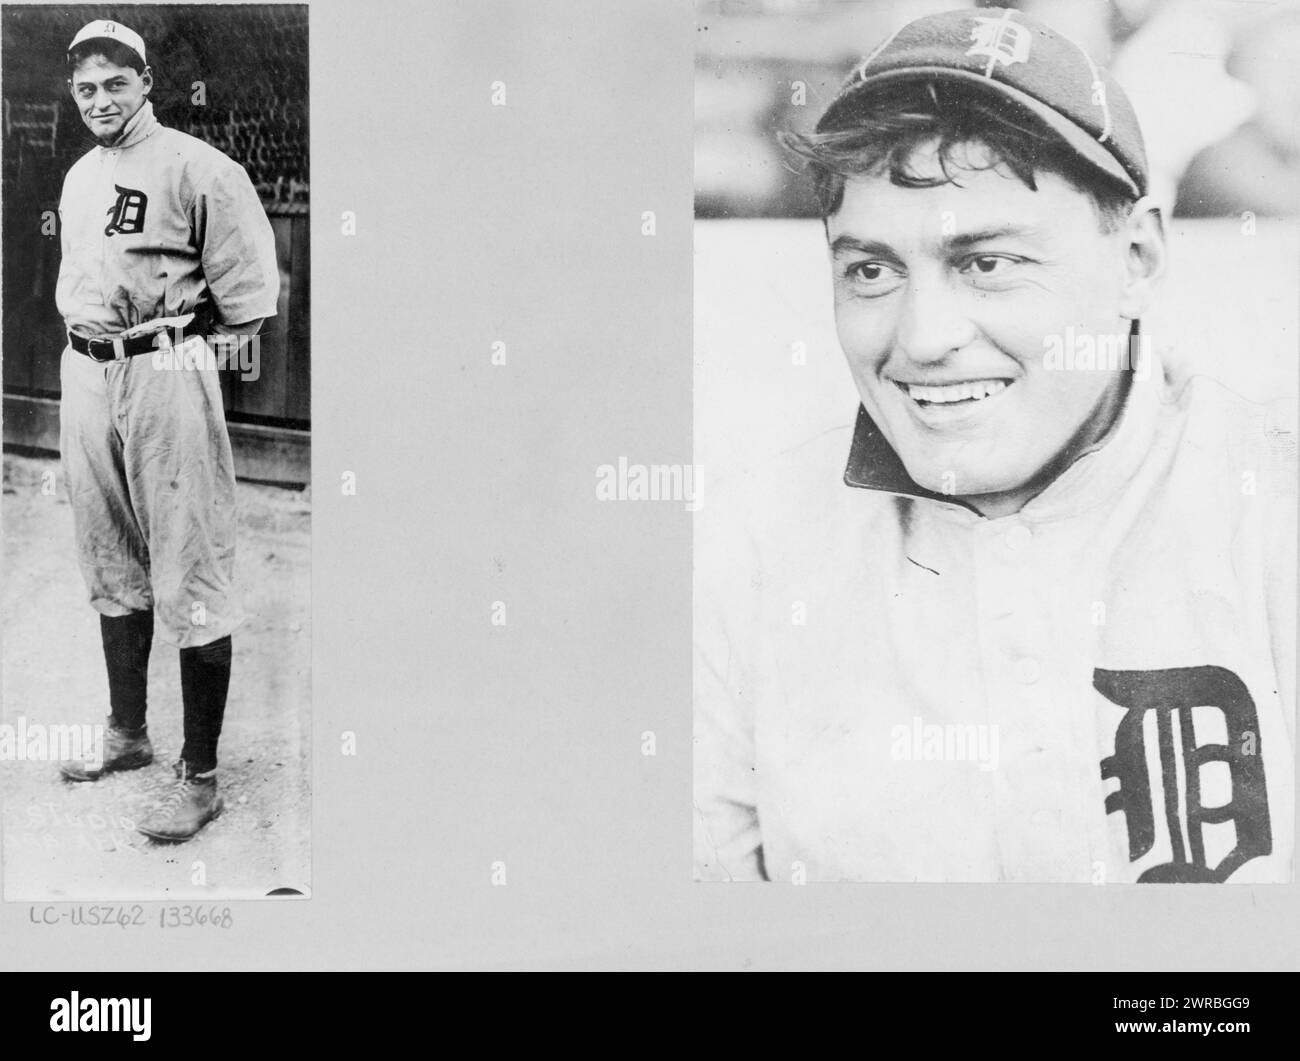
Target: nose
(102, 98)
(932, 323)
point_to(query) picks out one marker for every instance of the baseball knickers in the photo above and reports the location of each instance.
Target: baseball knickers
(151, 481)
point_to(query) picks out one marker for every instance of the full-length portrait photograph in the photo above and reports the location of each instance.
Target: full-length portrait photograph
(995, 322)
(155, 733)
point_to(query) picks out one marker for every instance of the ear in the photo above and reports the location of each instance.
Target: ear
(1145, 257)
(147, 79)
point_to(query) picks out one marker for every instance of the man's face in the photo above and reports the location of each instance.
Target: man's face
(108, 95)
(944, 297)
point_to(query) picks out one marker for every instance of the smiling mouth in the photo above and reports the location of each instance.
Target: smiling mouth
(966, 393)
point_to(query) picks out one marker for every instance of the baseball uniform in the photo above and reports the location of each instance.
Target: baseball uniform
(157, 226)
(1096, 684)
(1099, 688)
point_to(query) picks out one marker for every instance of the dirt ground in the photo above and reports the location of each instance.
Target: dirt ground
(64, 841)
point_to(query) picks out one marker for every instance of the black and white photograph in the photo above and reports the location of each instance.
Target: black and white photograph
(155, 731)
(995, 390)
(841, 445)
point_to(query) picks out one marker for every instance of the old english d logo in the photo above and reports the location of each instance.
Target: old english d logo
(127, 214)
(1002, 40)
(1169, 696)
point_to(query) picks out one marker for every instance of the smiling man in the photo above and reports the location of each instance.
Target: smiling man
(1043, 629)
(167, 253)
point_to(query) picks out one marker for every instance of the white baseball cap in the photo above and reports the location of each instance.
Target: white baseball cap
(110, 31)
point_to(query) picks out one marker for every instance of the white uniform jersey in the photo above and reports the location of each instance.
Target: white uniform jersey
(1099, 688)
(158, 225)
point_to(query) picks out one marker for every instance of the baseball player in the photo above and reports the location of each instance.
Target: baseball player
(167, 256)
(1042, 628)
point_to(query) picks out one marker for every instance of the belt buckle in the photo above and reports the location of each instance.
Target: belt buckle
(114, 347)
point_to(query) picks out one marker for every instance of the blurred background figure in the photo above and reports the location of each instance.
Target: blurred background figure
(767, 65)
(1256, 167)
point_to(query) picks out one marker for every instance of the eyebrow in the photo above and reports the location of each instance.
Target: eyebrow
(960, 241)
(967, 239)
(853, 245)
(91, 82)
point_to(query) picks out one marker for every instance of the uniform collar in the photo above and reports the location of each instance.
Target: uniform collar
(141, 125)
(873, 465)
(1093, 476)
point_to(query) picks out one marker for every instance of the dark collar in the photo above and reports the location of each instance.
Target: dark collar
(873, 465)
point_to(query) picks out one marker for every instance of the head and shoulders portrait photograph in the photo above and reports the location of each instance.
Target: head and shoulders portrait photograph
(996, 360)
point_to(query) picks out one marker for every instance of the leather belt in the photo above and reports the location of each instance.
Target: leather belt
(106, 348)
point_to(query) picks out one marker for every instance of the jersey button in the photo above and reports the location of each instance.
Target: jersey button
(1018, 537)
(1028, 671)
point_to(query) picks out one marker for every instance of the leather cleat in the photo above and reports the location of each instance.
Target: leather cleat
(121, 752)
(192, 804)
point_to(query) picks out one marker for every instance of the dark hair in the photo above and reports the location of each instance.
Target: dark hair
(882, 133)
(115, 52)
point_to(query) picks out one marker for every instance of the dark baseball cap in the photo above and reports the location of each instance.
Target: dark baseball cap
(1023, 60)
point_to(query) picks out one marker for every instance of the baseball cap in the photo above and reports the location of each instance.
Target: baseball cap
(1023, 60)
(110, 31)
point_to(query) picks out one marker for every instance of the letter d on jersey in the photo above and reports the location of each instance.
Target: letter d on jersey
(1161, 704)
(126, 215)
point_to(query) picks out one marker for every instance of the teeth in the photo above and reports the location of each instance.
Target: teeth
(976, 390)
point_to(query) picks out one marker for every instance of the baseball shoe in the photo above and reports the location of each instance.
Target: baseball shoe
(192, 804)
(121, 752)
